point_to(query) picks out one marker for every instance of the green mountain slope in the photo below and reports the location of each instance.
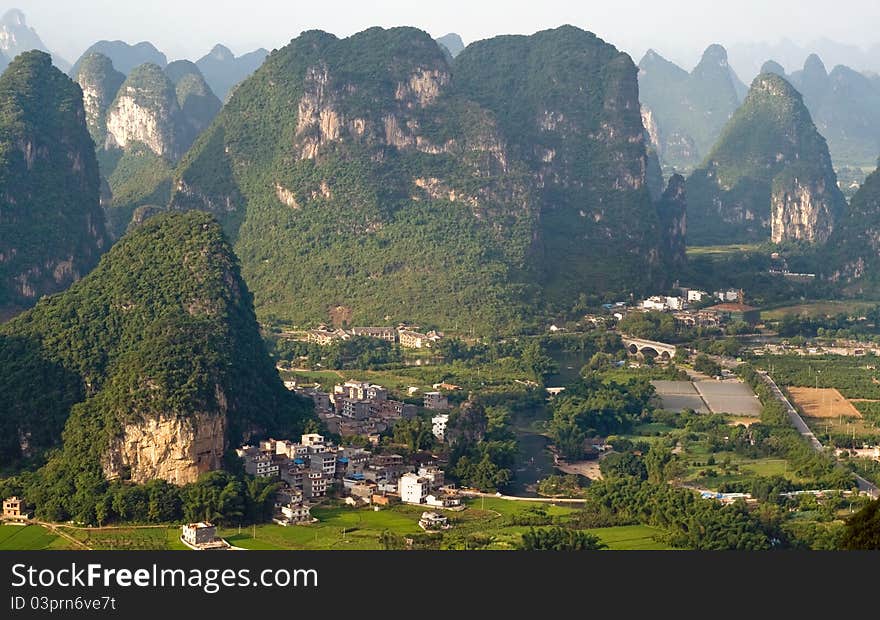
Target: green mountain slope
(354, 185)
(567, 102)
(768, 177)
(125, 57)
(51, 225)
(853, 252)
(152, 364)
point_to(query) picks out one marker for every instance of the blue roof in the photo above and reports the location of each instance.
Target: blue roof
(343, 459)
(298, 461)
(356, 476)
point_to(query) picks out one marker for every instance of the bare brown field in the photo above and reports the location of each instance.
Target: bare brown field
(822, 403)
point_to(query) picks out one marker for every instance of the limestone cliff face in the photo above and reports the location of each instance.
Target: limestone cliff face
(173, 448)
(146, 110)
(323, 115)
(99, 82)
(801, 211)
(652, 129)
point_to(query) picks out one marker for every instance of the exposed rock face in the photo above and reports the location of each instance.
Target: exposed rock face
(99, 82)
(171, 448)
(652, 129)
(802, 212)
(146, 111)
(769, 176)
(51, 225)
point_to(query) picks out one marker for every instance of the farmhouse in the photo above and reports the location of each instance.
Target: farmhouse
(14, 509)
(201, 535)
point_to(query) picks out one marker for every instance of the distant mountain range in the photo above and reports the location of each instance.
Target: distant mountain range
(142, 125)
(17, 37)
(224, 71)
(748, 58)
(845, 106)
(684, 112)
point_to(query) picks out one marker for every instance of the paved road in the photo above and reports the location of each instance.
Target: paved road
(806, 433)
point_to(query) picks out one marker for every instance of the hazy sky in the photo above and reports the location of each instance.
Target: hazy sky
(677, 28)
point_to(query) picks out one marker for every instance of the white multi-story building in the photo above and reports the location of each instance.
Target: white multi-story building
(654, 303)
(697, 296)
(311, 439)
(413, 489)
(676, 303)
(201, 533)
(438, 425)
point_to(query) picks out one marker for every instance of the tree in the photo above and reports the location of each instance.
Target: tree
(468, 425)
(560, 539)
(863, 529)
(657, 463)
(705, 365)
(617, 465)
(415, 433)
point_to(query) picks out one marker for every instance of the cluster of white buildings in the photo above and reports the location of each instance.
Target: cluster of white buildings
(312, 467)
(407, 336)
(356, 408)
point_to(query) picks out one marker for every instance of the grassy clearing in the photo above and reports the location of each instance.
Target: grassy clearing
(631, 537)
(25, 537)
(346, 528)
(129, 538)
(819, 309)
(719, 250)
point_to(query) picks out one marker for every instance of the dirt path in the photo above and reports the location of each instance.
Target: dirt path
(55, 529)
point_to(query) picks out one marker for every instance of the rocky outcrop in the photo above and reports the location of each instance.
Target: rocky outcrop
(146, 111)
(802, 211)
(769, 177)
(99, 82)
(176, 449)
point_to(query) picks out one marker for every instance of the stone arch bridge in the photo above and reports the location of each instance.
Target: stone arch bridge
(649, 347)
